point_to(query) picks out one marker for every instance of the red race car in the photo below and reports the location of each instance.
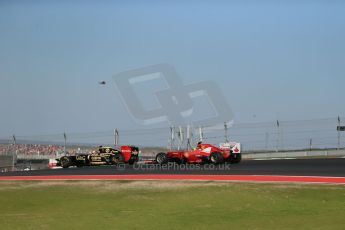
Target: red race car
(203, 153)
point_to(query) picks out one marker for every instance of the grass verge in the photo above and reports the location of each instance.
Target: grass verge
(169, 205)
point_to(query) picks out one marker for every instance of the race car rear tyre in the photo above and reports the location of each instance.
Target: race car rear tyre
(117, 159)
(65, 162)
(134, 160)
(161, 158)
(216, 158)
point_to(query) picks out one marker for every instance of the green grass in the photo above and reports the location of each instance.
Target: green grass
(169, 205)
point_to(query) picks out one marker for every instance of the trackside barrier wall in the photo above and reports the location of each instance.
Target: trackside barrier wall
(293, 154)
(250, 155)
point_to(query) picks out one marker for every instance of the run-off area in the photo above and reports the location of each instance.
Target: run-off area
(169, 205)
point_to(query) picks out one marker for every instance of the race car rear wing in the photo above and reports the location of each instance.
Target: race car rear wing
(234, 146)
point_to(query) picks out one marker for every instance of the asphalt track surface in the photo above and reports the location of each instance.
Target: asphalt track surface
(326, 167)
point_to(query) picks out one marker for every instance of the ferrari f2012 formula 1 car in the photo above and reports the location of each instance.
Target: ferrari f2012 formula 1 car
(203, 153)
(102, 156)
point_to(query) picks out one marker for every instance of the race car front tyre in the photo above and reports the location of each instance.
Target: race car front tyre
(216, 158)
(161, 158)
(65, 162)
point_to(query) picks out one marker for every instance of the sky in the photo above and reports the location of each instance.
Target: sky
(271, 59)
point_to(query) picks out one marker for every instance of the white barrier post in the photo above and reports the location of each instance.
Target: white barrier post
(172, 136)
(201, 134)
(278, 135)
(188, 138)
(181, 137)
(226, 132)
(65, 141)
(116, 137)
(15, 151)
(338, 130)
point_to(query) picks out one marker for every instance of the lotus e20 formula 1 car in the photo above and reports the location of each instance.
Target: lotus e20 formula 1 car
(102, 156)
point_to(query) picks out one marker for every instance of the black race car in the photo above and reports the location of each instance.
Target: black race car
(102, 156)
